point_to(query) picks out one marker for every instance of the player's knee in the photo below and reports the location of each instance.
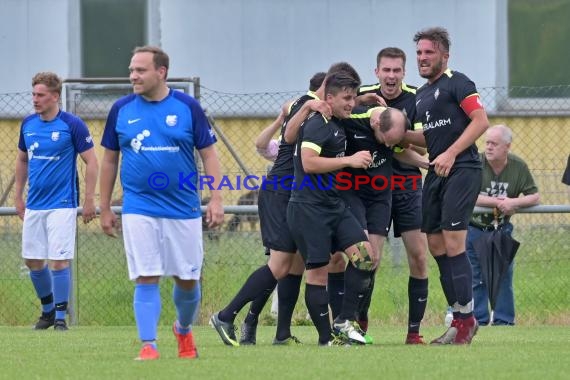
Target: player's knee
(361, 257)
(316, 273)
(298, 266)
(58, 264)
(357, 279)
(280, 264)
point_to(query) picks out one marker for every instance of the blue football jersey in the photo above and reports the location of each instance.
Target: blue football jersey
(52, 148)
(157, 142)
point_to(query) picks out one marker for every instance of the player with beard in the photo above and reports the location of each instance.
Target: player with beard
(453, 118)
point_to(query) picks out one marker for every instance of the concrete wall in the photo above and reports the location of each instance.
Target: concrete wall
(35, 35)
(256, 45)
(249, 46)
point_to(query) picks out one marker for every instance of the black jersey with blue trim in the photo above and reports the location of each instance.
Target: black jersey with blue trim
(328, 139)
(360, 136)
(406, 102)
(443, 120)
(281, 174)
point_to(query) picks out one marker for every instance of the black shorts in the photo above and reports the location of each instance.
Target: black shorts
(406, 211)
(373, 215)
(272, 208)
(320, 230)
(448, 202)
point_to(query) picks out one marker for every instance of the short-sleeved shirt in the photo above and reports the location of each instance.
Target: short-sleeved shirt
(514, 180)
(280, 178)
(157, 141)
(52, 148)
(360, 136)
(438, 110)
(405, 102)
(328, 139)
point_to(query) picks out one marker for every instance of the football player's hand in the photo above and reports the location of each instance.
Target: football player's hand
(360, 160)
(108, 221)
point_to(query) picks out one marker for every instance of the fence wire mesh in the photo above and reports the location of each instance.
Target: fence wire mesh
(541, 129)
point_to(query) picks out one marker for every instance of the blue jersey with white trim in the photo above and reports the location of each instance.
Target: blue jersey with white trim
(52, 148)
(157, 142)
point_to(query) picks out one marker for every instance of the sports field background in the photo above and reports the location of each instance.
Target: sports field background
(104, 294)
(95, 352)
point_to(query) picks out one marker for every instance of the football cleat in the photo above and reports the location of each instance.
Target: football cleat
(290, 341)
(148, 352)
(449, 335)
(226, 330)
(466, 331)
(45, 321)
(350, 330)
(60, 325)
(414, 338)
(186, 347)
(336, 340)
(248, 334)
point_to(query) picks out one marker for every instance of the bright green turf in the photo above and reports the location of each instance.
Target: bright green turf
(521, 352)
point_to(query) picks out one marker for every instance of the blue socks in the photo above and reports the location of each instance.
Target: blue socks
(187, 303)
(52, 288)
(147, 305)
(41, 279)
(61, 283)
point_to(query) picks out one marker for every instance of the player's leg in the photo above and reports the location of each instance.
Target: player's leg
(459, 196)
(311, 227)
(260, 283)
(437, 244)
(316, 299)
(431, 225)
(416, 249)
(407, 218)
(249, 325)
(288, 290)
(183, 258)
(377, 214)
(145, 267)
(35, 253)
(274, 231)
(61, 225)
(377, 245)
(359, 212)
(357, 284)
(335, 282)
(351, 238)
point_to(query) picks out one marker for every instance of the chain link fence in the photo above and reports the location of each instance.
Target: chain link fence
(103, 293)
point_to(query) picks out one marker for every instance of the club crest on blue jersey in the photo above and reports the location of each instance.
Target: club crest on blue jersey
(55, 136)
(171, 120)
